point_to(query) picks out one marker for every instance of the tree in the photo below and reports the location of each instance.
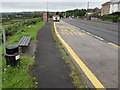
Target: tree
(76, 12)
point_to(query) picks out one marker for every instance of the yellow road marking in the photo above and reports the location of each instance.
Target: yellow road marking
(63, 33)
(65, 30)
(114, 45)
(99, 38)
(72, 30)
(75, 33)
(81, 33)
(67, 33)
(88, 33)
(68, 28)
(83, 30)
(85, 69)
(71, 33)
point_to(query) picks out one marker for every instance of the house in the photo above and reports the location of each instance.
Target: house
(91, 11)
(115, 6)
(110, 7)
(105, 8)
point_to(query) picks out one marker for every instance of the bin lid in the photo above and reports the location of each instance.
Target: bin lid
(11, 46)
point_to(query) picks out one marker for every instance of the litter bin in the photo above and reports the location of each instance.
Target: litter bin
(12, 55)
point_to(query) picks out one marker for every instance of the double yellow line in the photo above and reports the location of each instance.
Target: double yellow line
(88, 73)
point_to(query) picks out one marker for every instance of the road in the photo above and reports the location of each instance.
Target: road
(99, 56)
(109, 32)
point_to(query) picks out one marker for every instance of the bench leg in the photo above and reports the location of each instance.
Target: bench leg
(24, 49)
(20, 50)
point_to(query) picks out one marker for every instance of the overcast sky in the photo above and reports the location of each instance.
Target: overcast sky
(53, 5)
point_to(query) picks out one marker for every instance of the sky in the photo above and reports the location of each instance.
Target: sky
(53, 5)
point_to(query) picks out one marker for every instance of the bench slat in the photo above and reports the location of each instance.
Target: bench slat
(21, 41)
(24, 41)
(27, 42)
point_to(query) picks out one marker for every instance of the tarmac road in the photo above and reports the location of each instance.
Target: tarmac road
(109, 32)
(99, 56)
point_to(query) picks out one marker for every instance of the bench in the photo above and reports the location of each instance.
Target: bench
(24, 42)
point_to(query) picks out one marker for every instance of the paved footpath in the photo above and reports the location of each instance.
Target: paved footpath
(49, 68)
(100, 58)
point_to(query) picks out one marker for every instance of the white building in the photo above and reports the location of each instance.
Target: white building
(115, 6)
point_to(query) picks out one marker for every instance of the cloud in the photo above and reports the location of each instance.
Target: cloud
(41, 6)
(55, 0)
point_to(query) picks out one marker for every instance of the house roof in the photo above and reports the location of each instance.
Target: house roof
(107, 3)
(94, 10)
(115, 1)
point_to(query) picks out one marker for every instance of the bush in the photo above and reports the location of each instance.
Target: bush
(111, 17)
(116, 14)
(12, 29)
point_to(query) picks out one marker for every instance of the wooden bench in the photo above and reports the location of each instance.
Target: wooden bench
(24, 42)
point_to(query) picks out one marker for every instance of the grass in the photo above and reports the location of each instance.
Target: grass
(102, 21)
(19, 77)
(98, 21)
(29, 31)
(0, 26)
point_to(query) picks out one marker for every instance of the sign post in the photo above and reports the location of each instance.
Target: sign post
(4, 39)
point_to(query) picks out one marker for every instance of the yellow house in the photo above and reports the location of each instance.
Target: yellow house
(105, 8)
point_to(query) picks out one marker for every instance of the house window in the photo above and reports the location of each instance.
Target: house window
(107, 12)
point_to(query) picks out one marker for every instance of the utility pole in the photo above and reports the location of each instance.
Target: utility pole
(88, 5)
(47, 5)
(47, 10)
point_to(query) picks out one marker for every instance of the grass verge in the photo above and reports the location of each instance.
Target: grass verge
(101, 21)
(75, 74)
(19, 77)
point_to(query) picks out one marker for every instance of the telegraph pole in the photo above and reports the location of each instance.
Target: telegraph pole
(47, 5)
(88, 5)
(47, 10)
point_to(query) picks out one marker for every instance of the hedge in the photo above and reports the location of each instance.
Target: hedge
(111, 17)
